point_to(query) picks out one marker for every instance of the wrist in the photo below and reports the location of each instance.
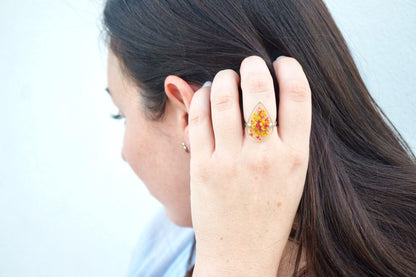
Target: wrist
(237, 261)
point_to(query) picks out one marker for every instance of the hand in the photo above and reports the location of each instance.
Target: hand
(245, 193)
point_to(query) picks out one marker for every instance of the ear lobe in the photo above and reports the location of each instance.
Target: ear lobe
(179, 92)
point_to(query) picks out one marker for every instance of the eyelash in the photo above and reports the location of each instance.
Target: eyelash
(117, 116)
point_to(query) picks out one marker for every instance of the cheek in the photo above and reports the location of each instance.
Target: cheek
(132, 145)
(163, 166)
(138, 150)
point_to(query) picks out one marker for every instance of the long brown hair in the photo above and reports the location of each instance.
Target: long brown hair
(357, 216)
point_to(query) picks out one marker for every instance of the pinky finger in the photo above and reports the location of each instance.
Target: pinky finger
(201, 135)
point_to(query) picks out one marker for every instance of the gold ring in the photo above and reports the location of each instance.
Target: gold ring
(259, 126)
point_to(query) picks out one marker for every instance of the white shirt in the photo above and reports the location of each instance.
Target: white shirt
(163, 249)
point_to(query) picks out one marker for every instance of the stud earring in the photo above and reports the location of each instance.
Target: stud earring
(185, 147)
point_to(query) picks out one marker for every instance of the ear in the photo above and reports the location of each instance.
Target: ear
(179, 94)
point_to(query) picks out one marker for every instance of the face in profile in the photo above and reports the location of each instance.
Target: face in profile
(153, 148)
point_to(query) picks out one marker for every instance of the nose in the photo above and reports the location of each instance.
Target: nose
(122, 156)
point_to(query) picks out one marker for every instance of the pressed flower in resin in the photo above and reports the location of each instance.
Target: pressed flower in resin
(259, 125)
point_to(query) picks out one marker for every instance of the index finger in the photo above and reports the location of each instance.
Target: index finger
(201, 135)
(295, 104)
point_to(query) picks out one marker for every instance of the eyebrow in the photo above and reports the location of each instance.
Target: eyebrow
(107, 90)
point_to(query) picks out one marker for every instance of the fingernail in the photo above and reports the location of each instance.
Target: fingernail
(280, 58)
(207, 84)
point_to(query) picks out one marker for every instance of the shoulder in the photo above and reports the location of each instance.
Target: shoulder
(162, 248)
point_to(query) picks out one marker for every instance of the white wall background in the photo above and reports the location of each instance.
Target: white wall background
(69, 206)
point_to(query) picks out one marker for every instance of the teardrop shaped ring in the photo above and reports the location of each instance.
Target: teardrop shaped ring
(259, 126)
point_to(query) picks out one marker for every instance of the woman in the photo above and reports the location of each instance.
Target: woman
(340, 184)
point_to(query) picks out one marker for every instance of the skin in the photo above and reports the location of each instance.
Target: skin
(244, 194)
(152, 147)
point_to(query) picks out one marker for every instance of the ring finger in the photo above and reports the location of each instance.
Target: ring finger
(259, 101)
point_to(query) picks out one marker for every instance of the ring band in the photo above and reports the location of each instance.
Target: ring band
(273, 124)
(259, 126)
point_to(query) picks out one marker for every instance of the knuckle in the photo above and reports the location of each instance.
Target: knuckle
(223, 159)
(293, 80)
(200, 173)
(260, 163)
(198, 112)
(223, 101)
(224, 93)
(298, 92)
(196, 101)
(220, 167)
(197, 117)
(297, 157)
(259, 83)
(227, 171)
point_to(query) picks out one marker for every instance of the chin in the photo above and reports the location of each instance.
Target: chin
(180, 219)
